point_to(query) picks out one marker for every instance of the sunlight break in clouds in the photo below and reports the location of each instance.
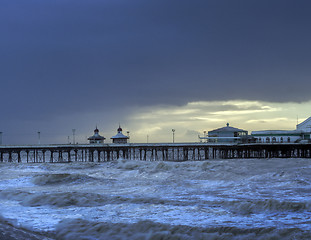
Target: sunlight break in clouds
(195, 117)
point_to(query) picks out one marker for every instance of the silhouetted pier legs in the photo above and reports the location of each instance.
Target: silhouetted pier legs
(10, 156)
(158, 152)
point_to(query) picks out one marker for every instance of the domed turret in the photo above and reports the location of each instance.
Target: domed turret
(96, 138)
(119, 138)
(96, 131)
(119, 129)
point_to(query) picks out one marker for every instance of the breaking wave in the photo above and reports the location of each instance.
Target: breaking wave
(60, 178)
(79, 199)
(82, 229)
(10, 231)
(162, 165)
(84, 199)
(266, 205)
(61, 199)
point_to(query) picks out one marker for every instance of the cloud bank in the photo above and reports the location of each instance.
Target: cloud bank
(71, 59)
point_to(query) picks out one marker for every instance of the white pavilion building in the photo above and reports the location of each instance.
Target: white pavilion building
(119, 137)
(226, 134)
(301, 133)
(96, 138)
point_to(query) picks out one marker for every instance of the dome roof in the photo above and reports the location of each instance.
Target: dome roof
(120, 136)
(119, 129)
(226, 129)
(96, 135)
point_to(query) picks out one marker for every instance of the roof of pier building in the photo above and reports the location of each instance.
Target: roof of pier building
(305, 125)
(301, 129)
(269, 133)
(96, 136)
(119, 136)
(227, 130)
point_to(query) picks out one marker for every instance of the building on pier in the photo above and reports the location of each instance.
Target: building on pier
(119, 137)
(300, 134)
(227, 135)
(96, 138)
(305, 126)
(279, 136)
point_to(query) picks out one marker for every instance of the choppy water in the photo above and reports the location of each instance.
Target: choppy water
(218, 199)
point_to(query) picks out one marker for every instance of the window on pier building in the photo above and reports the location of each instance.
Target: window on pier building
(281, 139)
(267, 140)
(273, 139)
(288, 139)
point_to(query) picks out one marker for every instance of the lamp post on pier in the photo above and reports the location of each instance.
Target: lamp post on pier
(173, 130)
(39, 140)
(74, 136)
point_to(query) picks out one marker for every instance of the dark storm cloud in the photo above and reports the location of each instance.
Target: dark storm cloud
(67, 56)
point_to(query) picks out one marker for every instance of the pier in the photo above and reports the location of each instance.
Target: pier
(150, 152)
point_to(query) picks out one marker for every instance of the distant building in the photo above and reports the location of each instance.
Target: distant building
(302, 133)
(119, 138)
(96, 138)
(227, 135)
(277, 136)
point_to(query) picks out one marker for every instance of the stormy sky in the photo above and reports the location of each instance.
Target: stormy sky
(151, 65)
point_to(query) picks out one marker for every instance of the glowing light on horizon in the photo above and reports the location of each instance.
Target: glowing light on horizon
(196, 117)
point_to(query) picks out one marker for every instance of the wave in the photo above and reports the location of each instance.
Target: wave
(60, 178)
(84, 199)
(81, 199)
(82, 229)
(162, 165)
(10, 231)
(266, 205)
(59, 199)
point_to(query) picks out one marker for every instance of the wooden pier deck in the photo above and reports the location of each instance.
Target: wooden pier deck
(150, 152)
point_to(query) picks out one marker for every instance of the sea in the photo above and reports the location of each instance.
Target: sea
(129, 199)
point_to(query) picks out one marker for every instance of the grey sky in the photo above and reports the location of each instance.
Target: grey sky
(66, 57)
